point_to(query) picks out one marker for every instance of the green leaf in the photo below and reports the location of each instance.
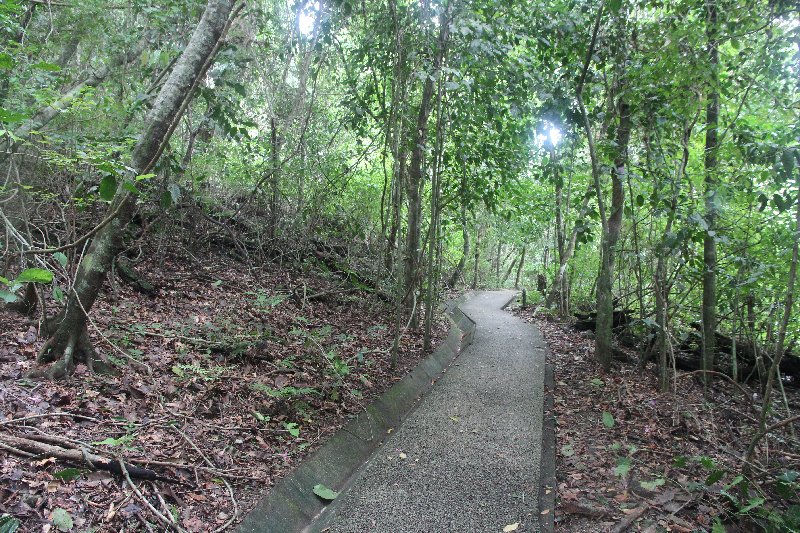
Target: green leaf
(597, 382)
(608, 419)
(34, 275)
(718, 527)
(130, 187)
(567, 451)
(292, 428)
(623, 466)
(8, 297)
(11, 116)
(752, 504)
(47, 67)
(61, 258)
(108, 188)
(652, 485)
(8, 524)
(58, 294)
(614, 5)
(6, 63)
(325, 493)
(715, 476)
(62, 519)
(68, 474)
(261, 418)
(110, 441)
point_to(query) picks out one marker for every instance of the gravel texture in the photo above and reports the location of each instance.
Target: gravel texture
(467, 459)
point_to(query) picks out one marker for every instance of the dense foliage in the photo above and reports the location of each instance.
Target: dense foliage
(436, 143)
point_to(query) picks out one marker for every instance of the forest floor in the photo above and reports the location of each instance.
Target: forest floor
(228, 377)
(629, 458)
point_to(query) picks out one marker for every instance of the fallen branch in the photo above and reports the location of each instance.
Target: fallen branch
(46, 415)
(83, 456)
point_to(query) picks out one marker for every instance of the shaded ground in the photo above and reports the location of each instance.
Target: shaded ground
(227, 379)
(632, 459)
(467, 458)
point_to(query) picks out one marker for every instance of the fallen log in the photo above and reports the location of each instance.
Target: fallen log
(79, 457)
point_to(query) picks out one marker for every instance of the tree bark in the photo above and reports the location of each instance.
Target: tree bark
(416, 173)
(520, 266)
(709, 306)
(612, 230)
(69, 343)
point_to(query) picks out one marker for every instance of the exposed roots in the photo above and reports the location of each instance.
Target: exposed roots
(64, 350)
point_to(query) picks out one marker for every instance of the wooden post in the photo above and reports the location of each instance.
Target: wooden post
(524, 298)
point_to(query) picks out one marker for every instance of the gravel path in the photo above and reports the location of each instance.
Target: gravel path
(467, 459)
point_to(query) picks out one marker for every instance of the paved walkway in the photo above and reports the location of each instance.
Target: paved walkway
(467, 459)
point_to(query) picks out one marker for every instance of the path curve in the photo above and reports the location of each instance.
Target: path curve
(467, 459)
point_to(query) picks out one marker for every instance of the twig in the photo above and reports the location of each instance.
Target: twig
(227, 485)
(163, 503)
(625, 523)
(164, 520)
(721, 374)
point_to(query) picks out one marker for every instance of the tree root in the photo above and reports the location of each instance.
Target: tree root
(64, 350)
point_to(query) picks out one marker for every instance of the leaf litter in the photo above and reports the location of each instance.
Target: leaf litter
(228, 378)
(629, 458)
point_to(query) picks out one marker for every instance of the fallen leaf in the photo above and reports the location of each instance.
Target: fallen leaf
(325, 493)
(511, 527)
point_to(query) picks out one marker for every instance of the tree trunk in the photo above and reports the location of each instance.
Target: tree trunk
(780, 348)
(45, 115)
(69, 343)
(520, 267)
(605, 299)
(274, 183)
(709, 306)
(557, 289)
(416, 175)
(465, 244)
(477, 257)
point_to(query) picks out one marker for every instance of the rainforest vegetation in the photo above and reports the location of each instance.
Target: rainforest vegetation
(632, 164)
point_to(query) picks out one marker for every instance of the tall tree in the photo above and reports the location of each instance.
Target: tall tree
(69, 341)
(709, 310)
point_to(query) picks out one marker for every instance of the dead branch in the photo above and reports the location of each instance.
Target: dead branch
(79, 457)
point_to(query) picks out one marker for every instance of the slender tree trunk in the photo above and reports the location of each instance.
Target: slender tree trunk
(520, 266)
(69, 342)
(605, 299)
(274, 179)
(709, 307)
(780, 345)
(477, 257)
(416, 173)
(465, 243)
(558, 281)
(433, 233)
